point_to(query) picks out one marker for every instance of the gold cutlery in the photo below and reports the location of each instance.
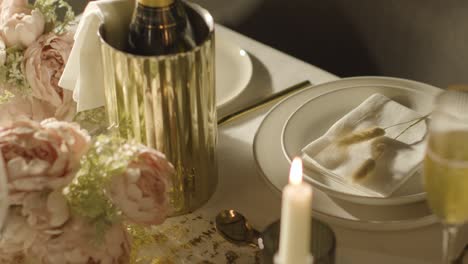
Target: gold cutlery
(267, 101)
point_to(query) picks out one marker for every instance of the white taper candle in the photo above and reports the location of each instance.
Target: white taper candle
(294, 247)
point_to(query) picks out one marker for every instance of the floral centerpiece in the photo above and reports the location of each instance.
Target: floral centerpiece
(34, 48)
(76, 202)
(73, 198)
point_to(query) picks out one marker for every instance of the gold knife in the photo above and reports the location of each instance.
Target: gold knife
(267, 101)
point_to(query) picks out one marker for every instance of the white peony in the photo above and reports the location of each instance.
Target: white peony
(141, 192)
(18, 258)
(10, 7)
(43, 65)
(47, 213)
(17, 235)
(22, 29)
(41, 156)
(74, 246)
(3, 53)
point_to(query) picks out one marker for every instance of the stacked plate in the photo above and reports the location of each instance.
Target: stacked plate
(305, 116)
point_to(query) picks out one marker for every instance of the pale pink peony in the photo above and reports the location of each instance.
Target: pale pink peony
(141, 192)
(20, 26)
(17, 236)
(26, 107)
(46, 212)
(10, 7)
(75, 138)
(3, 52)
(41, 156)
(74, 246)
(18, 258)
(43, 66)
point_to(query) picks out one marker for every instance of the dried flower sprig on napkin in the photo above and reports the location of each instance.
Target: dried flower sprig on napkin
(377, 127)
(378, 149)
(364, 135)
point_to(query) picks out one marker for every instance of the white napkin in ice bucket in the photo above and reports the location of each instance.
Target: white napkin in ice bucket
(398, 159)
(83, 73)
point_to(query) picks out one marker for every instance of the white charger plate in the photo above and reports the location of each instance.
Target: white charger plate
(233, 69)
(312, 119)
(274, 165)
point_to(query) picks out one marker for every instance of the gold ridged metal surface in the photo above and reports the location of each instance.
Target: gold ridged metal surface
(156, 3)
(169, 103)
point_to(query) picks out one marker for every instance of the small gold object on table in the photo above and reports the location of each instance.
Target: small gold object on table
(168, 103)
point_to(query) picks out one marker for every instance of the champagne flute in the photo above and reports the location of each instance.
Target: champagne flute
(446, 166)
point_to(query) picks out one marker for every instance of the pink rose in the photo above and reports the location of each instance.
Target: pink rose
(20, 26)
(74, 246)
(43, 65)
(141, 192)
(40, 156)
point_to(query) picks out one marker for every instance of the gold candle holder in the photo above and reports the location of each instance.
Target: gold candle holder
(168, 103)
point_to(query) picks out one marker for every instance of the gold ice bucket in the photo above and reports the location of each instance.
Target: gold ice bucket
(168, 103)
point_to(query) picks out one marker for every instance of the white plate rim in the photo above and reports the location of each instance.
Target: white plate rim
(245, 73)
(371, 225)
(347, 196)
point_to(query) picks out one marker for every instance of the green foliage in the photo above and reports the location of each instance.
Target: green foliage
(50, 9)
(109, 156)
(141, 238)
(94, 120)
(11, 73)
(6, 96)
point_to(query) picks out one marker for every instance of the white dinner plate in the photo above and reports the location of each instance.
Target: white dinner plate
(312, 119)
(233, 69)
(274, 165)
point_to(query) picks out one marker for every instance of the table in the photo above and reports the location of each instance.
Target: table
(242, 187)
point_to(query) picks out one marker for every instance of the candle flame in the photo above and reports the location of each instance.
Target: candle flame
(295, 175)
(232, 213)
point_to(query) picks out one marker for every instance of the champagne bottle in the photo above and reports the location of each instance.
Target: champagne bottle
(160, 27)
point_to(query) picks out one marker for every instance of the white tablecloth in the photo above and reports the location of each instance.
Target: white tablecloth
(241, 187)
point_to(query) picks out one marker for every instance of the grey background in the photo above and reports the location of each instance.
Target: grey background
(424, 40)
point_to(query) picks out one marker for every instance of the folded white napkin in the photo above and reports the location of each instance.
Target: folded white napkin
(395, 159)
(83, 73)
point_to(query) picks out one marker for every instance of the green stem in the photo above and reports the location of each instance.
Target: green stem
(448, 242)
